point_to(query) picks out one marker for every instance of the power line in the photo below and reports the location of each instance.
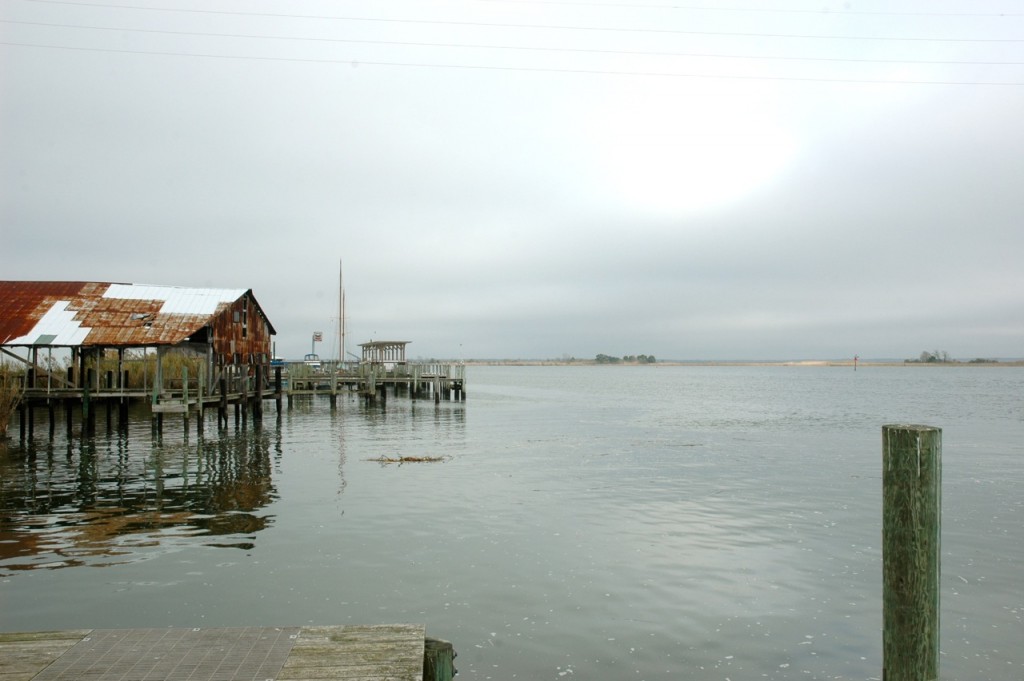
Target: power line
(770, 10)
(569, 50)
(526, 69)
(561, 27)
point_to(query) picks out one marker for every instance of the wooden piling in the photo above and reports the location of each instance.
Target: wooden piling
(107, 404)
(201, 393)
(243, 404)
(88, 413)
(277, 388)
(222, 407)
(911, 534)
(184, 398)
(26, 408)
(438, 660)
(257, 404)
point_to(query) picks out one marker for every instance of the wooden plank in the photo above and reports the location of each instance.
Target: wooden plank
(371, 632)
(377, 652)
(370, 672)
(71, 634)
(24, 654)
(169, 408)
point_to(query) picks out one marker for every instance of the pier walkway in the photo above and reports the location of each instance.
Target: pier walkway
(394, 652)
(437, 381)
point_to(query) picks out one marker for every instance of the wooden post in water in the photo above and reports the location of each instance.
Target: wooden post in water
(243, 380)
(108, 402)
(88, 413)
(201, 391)
(257, 404)
(184, 396)
(277, 388)
(222, 408)
(122, 410)
(911, 533)
(438, 660)
(30, 382)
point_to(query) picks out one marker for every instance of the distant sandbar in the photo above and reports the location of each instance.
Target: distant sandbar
(742, 363)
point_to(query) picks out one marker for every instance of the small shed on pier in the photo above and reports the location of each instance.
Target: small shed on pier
(91, 319)
(388, 353)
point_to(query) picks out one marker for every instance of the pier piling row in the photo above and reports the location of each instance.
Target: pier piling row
(238, 390)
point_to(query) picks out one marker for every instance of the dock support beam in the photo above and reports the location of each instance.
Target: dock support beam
(911, 533)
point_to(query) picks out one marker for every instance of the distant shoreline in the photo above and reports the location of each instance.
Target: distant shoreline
(742, 363)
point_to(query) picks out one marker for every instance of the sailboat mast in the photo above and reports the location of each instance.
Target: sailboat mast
(341, 312)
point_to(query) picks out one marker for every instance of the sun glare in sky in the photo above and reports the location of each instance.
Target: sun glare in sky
(663, 154)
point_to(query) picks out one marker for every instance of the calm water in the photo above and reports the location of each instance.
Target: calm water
(590, 522)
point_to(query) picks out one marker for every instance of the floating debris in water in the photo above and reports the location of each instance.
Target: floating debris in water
(408, 459)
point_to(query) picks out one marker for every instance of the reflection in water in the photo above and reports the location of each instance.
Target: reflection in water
(683, 522)
(98, 502)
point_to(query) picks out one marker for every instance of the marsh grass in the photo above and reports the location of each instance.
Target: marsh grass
(142, 368)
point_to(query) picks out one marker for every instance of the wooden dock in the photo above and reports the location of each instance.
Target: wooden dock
(437, 381)
(193, 396)
(395, 652)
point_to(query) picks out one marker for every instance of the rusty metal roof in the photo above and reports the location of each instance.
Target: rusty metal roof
(66, 313)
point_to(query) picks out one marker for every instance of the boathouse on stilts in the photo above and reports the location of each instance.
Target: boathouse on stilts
(91, 347)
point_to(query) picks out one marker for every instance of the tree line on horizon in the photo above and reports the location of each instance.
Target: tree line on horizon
(629, 359)
(942, 357)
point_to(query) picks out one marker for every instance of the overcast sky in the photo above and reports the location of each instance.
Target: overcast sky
(773, 179)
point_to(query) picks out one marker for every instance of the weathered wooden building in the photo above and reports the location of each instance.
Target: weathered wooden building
(97, 323)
